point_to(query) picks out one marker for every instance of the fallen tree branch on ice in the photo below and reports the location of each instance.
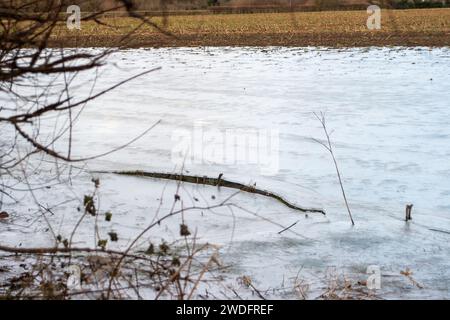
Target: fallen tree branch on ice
(54, 250)
(220, 182)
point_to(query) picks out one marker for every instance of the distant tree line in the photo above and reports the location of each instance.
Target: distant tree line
(173, 5)
(411, 4)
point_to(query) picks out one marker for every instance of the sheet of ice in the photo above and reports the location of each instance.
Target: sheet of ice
(388, 108)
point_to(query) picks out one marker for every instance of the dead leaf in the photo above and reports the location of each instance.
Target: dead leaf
(4, 215)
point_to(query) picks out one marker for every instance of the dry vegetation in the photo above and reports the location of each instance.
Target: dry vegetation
(344, 28)
(30, 163)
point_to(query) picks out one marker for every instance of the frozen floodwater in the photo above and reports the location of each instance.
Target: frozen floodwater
(388, 109)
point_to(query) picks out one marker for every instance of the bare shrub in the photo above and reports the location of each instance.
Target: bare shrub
(38, 111)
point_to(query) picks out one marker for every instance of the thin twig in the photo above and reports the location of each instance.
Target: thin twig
(328, 146)
(287, 228)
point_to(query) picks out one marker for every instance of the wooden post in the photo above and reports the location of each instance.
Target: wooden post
(408, 212)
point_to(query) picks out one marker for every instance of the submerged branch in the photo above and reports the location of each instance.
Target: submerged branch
(220, 182)
(54, 250)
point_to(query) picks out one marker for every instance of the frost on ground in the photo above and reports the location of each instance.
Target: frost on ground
(388, 108)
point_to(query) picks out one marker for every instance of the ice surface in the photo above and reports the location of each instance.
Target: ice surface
(388, 108)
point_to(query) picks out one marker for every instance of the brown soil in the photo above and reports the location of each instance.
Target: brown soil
(327, 28)
(347, 39)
